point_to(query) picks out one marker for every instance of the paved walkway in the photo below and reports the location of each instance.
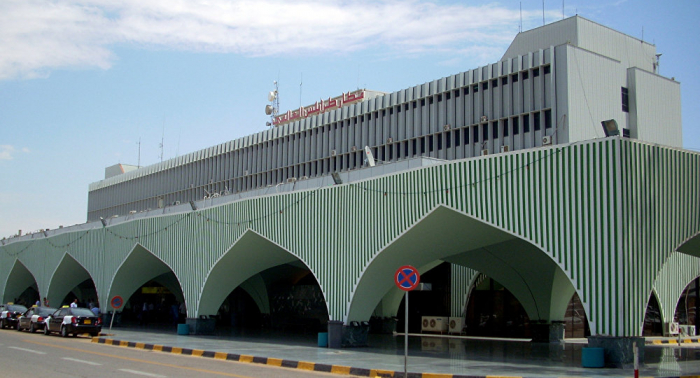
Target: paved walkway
(428, 356)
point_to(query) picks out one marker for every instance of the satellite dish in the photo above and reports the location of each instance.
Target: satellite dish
(271, 96)
(268, 109)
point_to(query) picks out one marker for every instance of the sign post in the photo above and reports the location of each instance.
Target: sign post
(117, 302)
(406, 278)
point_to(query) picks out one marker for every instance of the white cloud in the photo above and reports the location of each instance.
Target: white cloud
(6, 152)
(41, 35)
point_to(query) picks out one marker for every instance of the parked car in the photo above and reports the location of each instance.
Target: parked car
(34, 318)
(73, 320)
(9, 314)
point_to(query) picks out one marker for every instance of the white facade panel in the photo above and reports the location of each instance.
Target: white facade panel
(594, 87)
(655, 108)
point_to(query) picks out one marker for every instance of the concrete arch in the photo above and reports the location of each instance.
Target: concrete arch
(531, 275)
(139, 267)
(68, 274)
(19, 280)
(251, 254)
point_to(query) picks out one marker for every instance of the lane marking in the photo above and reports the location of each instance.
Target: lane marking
(180, 367)
(142, 373)
(27, 350)
(82, 361)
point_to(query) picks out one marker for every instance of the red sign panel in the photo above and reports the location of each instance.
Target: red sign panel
(407, 278)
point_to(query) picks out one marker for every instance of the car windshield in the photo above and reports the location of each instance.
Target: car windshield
(19, 308)
(82, 312)
(44, 311)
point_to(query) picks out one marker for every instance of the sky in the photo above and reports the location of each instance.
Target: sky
(86, 84)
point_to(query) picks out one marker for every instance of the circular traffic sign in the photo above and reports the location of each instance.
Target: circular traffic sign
(117, 302)
(407, 278)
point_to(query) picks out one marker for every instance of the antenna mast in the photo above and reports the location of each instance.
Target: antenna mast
(162, 141)
(521, 17)
(139, 161)
(273, 108)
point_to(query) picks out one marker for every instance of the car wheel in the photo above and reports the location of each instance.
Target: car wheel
(18, 327)
(46, 329)
(2, 324)
(31, 328)
(64, 331)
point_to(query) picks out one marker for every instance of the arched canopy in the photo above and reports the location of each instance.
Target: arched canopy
(250, 255)
(528, 272)
(139, 267)
(67, 275)
(19, 280)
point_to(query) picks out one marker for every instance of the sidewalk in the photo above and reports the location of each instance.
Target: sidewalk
(429, 356)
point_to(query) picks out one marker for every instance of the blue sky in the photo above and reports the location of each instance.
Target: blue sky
(82, 81)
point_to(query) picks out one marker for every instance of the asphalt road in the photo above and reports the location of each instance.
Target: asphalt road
(23, 354)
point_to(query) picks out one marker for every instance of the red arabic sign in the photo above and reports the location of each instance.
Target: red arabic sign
(320, 107)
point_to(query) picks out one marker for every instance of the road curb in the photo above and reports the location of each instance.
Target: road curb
(301, 365)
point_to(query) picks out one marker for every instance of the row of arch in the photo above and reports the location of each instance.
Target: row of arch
(543, 288)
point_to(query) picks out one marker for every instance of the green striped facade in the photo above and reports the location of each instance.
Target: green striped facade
(603, 217)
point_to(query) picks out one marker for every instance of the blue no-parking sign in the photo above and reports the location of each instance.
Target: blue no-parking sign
(407, 278)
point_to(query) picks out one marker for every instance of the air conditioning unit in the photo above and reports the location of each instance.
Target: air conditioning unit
(672, 328)
(446, 127)
(546, 140)
(390, 140)
(353, 149)
(333, 153)
(434, 324)
(505, 148)
(484, 118)
(456, 325)
(304, 178)
(484, 152)
(687, 330)
(292, 179)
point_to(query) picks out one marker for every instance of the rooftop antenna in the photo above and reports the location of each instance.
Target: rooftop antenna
(162, 141)
(273, 108)
(139, 161)
(562, 10)
(301, 82)
(543, 23)
(521, 18)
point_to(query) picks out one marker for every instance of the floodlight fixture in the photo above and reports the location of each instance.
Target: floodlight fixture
(610, 128)
(104, 222)
(193, 205)
(336, 178)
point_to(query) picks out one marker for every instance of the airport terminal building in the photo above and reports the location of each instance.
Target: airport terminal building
(557, 171)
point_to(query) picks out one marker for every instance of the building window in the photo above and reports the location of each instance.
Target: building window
(413, 144)
(504, 80)
(448, 96)
(475, 88)
(547, 70)
(457, 139)
(526, 123)
(466, 90)
(475, 134)
(536, 72)
(485, 85)
(431, 101)
(485, 131)
(547, 119)
(494, 83)
(439, 97)
(422, 145)
(422, 102)
(505, 127)
(466, 136)
(537, 121)
(430, 143)
(457, 93)
(516, 129)
(494, 130)
(514, 78)
(448, 138)
(625, 100)
(525, 75)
